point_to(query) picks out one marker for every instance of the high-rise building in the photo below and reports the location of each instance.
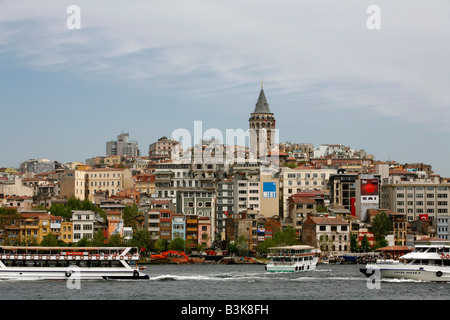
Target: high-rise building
(122, 146)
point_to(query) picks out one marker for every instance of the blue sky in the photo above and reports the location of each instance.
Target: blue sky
(150, 67)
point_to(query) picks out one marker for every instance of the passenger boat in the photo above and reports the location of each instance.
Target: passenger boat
(59, 263)
(429, 261)
(291, 259)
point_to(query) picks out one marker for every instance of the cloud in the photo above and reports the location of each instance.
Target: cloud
(201, 47)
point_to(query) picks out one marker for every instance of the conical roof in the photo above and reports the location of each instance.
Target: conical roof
(262, 106)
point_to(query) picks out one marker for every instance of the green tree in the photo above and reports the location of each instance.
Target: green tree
(242, 246)
(141, 239)
(51, 240)
(381, 226)
(161, 245)
(232, 248)
(129, 212)
(354, 247)
(365, 244)
(115, 240)
(325, 243)
(287, 237)
(177, 244)
(99, 239)
(263, 246)
(83, 242)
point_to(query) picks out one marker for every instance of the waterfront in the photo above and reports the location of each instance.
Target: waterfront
(231, 282)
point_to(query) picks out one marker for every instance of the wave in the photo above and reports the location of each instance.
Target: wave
(219, 277)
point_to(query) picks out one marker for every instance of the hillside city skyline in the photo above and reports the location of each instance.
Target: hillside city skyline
(75, 75)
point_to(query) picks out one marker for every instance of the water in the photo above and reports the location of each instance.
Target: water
(231, 282)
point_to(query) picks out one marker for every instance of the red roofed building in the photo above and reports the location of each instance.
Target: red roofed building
(330, 234)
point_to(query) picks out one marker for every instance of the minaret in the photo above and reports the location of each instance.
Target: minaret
(263, 123)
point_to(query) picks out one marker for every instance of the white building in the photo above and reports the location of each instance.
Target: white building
(83, 224)
(303, 179)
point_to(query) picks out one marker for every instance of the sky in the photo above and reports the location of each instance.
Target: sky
(150, 67)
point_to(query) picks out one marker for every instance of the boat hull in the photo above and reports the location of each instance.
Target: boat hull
(279, 267)
(69, 274)
(421, 273)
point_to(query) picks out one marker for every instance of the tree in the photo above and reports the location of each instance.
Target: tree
(141, 239)
(354, 242)
(177, 244)
(83, 242)
(287, 237)
(242, 246)
(325, 243)
(51, 240)
(99, 239)
(161, 245)
(232, 248)
(115, 240)
(381, 226)
(365, 244)
(129, 212)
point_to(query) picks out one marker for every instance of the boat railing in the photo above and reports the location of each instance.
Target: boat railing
(69, 253)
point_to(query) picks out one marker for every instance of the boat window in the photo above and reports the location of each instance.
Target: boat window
(29, 263)
(432, 250)
(116, 264)
(447, 263)
(51, 263)
(104, 263)
(94, 264)
(83, 263)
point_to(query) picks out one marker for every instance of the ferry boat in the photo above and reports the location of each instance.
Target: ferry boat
(291, 259)
(62, 263)
(429, 261)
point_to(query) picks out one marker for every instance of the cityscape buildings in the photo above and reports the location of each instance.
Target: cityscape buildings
(326, 194)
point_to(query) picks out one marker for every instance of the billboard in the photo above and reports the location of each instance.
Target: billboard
(269, 189)
(369, 187)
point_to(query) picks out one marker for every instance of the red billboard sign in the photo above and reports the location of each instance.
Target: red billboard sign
(369, 187)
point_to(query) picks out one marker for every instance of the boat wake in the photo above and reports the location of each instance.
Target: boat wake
(219, 277)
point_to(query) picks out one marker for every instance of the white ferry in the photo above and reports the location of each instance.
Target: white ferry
(429, 261)
(291, 259)
(62, 263)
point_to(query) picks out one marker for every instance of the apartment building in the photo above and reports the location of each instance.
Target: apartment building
(145, 183)
(122, 146)
(73, 184)
(443, 227)
(419, 199)
(225, 205)
(301, 205)
(162, 149)
(107, 179)
(178, 226)
(38, 225)
(343, 188)
(302, 179)
(330, 234)
(84, 184)
(82, 225)
(66, 231)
